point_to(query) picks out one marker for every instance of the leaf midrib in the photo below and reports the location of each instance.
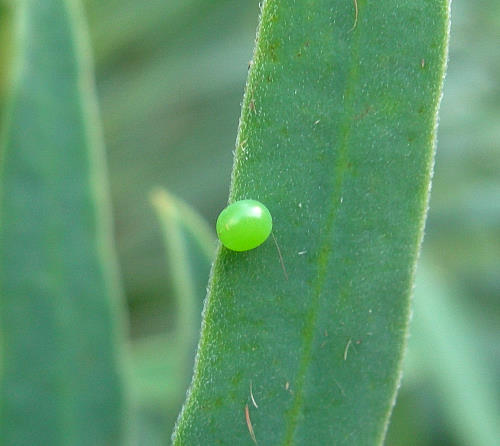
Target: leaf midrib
(326, 248)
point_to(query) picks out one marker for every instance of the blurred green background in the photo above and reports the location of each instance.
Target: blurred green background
(170, 76)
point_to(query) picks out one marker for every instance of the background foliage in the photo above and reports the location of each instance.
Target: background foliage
(170, 79)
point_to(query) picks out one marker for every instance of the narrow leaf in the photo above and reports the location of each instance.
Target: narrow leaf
(446, 345)
(61, 380)
(189, 246)
(336, 138)
(162, 364)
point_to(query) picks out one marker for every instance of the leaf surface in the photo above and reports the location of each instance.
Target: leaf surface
(336, 138)
(61, 353)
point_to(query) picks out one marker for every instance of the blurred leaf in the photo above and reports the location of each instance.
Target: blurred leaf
(62, 377)
(163, 364)
(336, 138)
(170, 92)
(190, 246)
(444, 337)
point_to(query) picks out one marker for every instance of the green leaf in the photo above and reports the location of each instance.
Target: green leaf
(336, 139)
(190, 246)
(162, 364)
(446, 345)
(60, 312)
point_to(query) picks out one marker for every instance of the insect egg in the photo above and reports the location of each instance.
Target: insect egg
(244, 225)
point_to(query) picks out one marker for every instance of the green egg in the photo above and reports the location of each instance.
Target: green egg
(244, 225)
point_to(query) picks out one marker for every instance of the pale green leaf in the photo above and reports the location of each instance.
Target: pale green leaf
(60, 309)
